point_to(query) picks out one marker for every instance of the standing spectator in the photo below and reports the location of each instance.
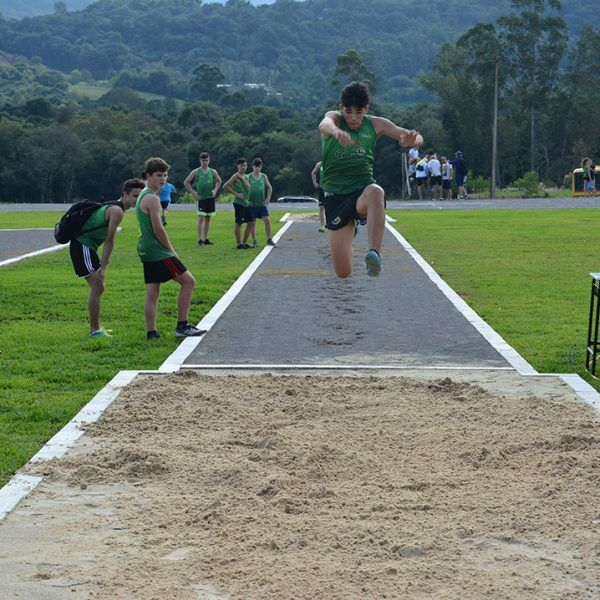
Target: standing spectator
(592, 177)
(460, 169)
(316, 180)
(259, 196)
(165, 200)
(585, 165)
(421, 173)
(160, 261)
(206, 182)
(239, 187)
(446, 178)
(413, 159)
(435, 175)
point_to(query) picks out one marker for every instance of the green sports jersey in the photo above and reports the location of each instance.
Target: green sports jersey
(239, 187)
(94, 230)
(257, 192)
(205, 183)
(149, 248)
(347, 169)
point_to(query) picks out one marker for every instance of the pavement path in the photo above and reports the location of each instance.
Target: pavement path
(16, 242)
(294, 311)
(514, 203)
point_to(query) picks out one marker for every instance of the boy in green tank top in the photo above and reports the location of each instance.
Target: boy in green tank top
(239, 187)
(348, 138)
(160, 260)
(100, 229)
(260, 197)
(204, 183)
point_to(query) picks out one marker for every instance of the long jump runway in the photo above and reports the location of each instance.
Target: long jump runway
(294, 311)
(358, 439)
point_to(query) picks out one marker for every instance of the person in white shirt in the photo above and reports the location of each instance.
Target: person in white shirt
(446, 178)
(435, 177)
(421, 174)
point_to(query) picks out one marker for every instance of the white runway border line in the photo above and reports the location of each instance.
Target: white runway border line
(583, 389)
(174, 362)
(9, 261)
(20, 485)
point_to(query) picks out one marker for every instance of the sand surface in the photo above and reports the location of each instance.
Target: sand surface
(259, 486)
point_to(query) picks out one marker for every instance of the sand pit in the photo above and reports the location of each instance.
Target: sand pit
(259, 486)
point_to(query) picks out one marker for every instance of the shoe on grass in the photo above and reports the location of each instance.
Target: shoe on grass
(152, 335)
(241, 246)
(163, 221)
(101, 332)
(373, 262)
(189, 331)
(254, 244)
(207, 242)
(270, 242)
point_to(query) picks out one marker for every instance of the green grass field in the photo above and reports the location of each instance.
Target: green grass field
(49, 366)
(525, 272)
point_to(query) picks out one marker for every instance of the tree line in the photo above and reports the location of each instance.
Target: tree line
(59, 146)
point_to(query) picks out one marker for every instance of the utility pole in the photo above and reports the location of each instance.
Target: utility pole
(495, 130)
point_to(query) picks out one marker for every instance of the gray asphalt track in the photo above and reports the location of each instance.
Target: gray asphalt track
(18, 241)
(294, 311)
(516, 203)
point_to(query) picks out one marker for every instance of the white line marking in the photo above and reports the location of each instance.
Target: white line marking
(174, 362)
(30, 229)
(505, 349)
(15, 259)
(285, 218)
(345, 367)
(14, 491)
(20, 485)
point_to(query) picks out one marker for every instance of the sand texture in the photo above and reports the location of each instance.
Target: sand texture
(258, 487)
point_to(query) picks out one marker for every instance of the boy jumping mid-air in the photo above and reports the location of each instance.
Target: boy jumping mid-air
(348, 138)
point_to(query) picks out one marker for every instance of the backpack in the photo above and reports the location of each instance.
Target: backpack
(72, 222)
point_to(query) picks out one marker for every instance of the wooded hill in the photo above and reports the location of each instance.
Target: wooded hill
(289, 46)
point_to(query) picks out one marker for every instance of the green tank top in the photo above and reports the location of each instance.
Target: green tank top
(97, 222)
(257, 189)
(205, 183)
(345, 170)
(239, 187)
(149, 248)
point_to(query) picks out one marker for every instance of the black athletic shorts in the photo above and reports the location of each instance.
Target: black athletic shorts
(242, 214)
(340, 210)
(85, 260)
(163, 270)
(421, 180)
(206, 207)
(165, 204)
(446, 184)
(321, 196)
(436, 180)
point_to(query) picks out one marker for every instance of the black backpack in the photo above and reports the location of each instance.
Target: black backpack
(72, 222)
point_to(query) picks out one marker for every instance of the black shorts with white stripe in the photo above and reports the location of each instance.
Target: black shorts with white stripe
(85, 260)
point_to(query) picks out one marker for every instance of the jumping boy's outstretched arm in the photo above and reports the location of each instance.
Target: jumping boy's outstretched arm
(329, 126)
(405, 137)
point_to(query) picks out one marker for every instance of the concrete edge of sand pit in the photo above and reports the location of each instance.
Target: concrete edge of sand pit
(20, 485)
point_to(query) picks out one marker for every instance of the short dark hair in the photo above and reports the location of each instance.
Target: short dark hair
(256, 162)
(355, 94)
(241, 161)
(155, 165)
(204, 155)
(132, 184)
